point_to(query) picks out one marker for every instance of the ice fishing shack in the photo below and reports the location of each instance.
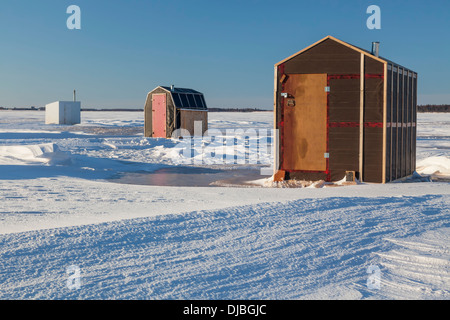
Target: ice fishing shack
(342, 111)
(63, 112)
(170, 108)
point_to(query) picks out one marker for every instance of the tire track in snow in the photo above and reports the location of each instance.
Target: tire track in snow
(419, 268)
(310, 248)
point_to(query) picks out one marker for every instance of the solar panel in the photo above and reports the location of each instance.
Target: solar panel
(203, 100)
(187, 98)
(176, 99)
(184, 100)
(191, 100)
(198, 101)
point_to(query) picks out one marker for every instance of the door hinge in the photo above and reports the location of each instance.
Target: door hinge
(327, 89)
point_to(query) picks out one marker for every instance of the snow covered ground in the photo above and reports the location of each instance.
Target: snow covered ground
(60, 209)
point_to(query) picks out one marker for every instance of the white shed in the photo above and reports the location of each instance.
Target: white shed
(63, 112)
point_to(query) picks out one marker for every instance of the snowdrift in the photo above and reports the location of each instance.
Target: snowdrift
(437, 166)
(47, 153)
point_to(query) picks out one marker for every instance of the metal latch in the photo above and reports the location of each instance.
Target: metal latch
(284, 94)
(327, 89)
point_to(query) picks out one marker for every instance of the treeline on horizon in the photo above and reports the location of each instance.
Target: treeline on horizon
(141, 110)
(434, 108)
(209, 109)
(420, 108)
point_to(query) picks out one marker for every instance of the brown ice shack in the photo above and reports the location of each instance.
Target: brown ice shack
(169, 108)
(344, 111)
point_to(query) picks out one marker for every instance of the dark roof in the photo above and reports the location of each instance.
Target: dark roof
(180, 90)
(185, 98)
(369, 53)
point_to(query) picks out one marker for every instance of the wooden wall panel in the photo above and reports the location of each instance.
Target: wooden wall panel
(327, 57)
(373, 154)
(308, 176)
(395, 122)
(373, 100)
(414, 137)
(344, 142)
(374, 143)
(344, 100)
(373, 66)
(148, 116)
(189, 117)
(388, 155)
(389, 98)
(344, 151)
(373, 114)
(305, 121)
(148, 113)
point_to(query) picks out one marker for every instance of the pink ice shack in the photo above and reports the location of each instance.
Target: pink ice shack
(171, 110)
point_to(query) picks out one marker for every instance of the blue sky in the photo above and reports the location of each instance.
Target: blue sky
(226, 49)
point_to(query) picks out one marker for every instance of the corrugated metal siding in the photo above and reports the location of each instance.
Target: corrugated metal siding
(402, 122)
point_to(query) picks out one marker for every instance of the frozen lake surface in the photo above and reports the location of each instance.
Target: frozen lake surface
(168, 239)
(191, 177)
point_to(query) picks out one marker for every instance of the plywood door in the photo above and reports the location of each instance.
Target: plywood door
(159, 115)
(305, 122)
(190, 117)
